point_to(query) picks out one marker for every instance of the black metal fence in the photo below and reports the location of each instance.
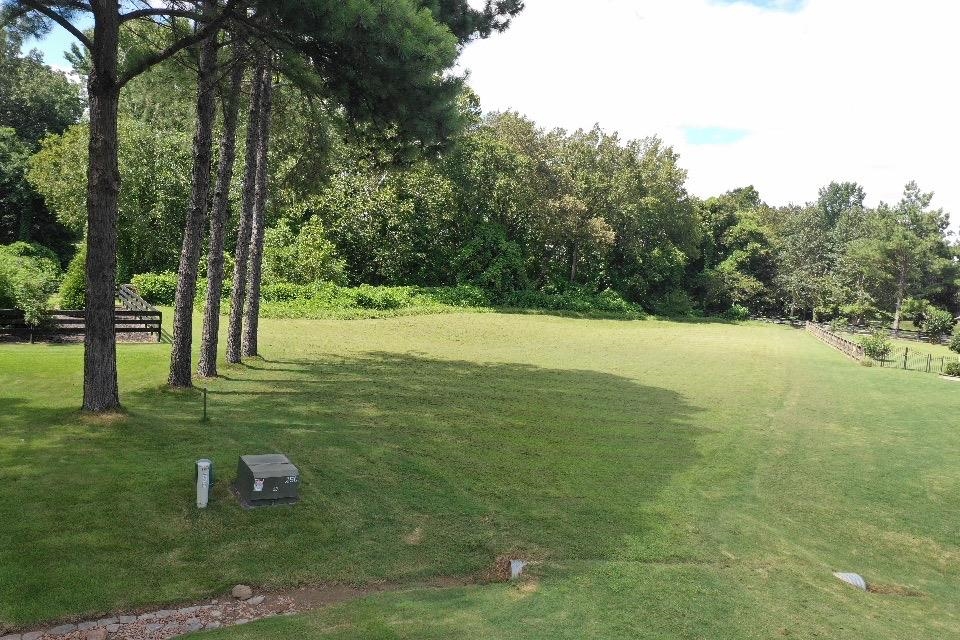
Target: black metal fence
(906, 358)
(915, 360)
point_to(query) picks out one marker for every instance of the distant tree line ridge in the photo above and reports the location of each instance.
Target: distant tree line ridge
(502, 205)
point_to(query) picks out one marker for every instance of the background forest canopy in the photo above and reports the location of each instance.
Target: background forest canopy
(509, 207)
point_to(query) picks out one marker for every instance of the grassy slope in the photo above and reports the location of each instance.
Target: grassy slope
(694, 480)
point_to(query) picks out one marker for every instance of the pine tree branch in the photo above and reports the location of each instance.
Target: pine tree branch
(210, 27)
(60, 20)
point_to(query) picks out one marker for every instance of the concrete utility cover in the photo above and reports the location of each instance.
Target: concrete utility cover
(853, 579)
(516, 567)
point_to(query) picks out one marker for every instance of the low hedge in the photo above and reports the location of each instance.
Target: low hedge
(288, 300)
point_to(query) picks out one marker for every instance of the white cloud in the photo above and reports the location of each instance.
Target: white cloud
(849, 90)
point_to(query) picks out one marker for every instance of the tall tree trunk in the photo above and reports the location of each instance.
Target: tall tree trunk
(901, 294)
(573, 264)
(100, 391)
(207, 366)
(180, 354)
(252, 319)
(238, 291)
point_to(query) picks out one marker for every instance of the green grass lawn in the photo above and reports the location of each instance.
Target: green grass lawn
(671, 480)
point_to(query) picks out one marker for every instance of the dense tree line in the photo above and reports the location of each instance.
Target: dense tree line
(395, 177)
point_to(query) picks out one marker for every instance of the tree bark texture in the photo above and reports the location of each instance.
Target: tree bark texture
(100, 393)
(901, 294)
(180, 354)
(238, 291)
(207, 366)
(258, 223)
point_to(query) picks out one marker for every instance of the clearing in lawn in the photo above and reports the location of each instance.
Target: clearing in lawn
(668, 479)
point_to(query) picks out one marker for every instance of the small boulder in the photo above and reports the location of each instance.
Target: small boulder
(257, 600)
(242, 592)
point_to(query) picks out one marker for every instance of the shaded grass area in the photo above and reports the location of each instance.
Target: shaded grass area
(671, 480)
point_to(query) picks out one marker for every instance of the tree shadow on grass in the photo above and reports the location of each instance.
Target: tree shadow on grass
(411, 467)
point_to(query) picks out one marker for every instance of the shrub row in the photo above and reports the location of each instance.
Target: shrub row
(285, 299)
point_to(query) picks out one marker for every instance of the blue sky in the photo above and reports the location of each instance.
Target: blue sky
(714, 135)
(55, 43)
(785, 95)
(773, 5)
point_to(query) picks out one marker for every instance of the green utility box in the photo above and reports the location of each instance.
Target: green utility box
(267, 480)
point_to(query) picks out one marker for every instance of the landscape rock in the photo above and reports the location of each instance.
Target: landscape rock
(194, 624)
(153, 626)
(62, 630)
(242, 592)
(33, 635)
(11, 636)
(146, 616)
(216, 613)
(84, 626)
(163, 614)
(127, 619)
(241, 621)
(105, 622)
(112, 628)
(213, 625)
(257, 600)
(189, 610)
(95, 634)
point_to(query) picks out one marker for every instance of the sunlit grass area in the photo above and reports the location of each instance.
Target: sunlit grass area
(668, 479)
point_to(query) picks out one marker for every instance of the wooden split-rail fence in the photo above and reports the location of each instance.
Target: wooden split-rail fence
(134, 315)
(839, 343)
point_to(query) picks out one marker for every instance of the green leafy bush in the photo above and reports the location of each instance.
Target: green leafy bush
(73, 289)
(574, 300)
(737, 312)
(937, 323)
(156, 288)
(876, 346)
(838, 325)
(30, 273)
(952, 369)
(492, 262)
(302, 258)
(284, 291)
(8, 298)
(464, 295)
(369, 297)
(955, 343)
(675, 304)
